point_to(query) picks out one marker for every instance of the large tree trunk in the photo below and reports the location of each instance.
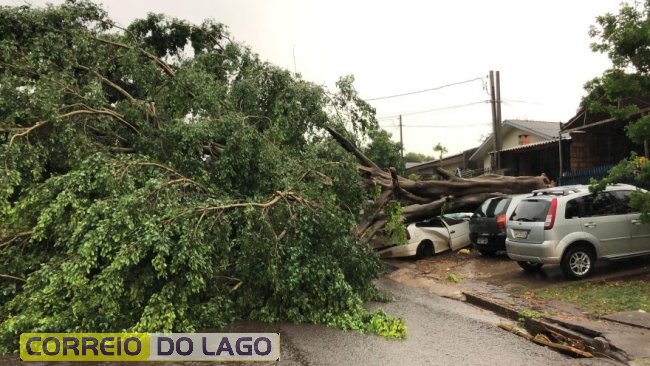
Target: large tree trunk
(424, 199)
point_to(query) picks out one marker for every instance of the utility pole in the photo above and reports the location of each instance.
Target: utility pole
(498, 135)
(495, 130)
(495, 102)
(401, 139)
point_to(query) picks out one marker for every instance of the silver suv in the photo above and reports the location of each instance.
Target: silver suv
(572, 227)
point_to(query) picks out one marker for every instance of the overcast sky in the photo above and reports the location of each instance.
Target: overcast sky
(391, 47)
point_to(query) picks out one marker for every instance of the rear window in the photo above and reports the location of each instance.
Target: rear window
(434, 222)
(493, 207)
(531, 211)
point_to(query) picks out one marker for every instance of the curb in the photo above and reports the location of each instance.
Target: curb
(494, 307)
(589, 337)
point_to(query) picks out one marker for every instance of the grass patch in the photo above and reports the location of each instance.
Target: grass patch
(452, 277)
(600, 298)
(527, 314)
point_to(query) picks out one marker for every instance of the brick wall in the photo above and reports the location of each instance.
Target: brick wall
(601, 145)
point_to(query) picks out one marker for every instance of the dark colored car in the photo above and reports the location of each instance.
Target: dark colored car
(487, 226)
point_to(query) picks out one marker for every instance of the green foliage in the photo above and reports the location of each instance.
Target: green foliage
(163, 178)
(394, 228)
(414, 176)
(625, 38)
(384, 152)
(525, 314)
(441, 150)
(372, 322)
(412, 157)
(452, 277)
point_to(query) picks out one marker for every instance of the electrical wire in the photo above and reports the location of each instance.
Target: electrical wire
(442, 126)
(433, 110)
(428, 90)
(507, 101)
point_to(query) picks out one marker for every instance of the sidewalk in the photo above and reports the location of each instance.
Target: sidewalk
(624, 337)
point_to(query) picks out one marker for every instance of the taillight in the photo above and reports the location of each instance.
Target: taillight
(501, 221)
(408, 235)
(550, 215)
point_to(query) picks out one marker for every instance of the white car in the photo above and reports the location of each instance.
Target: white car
(425, 238)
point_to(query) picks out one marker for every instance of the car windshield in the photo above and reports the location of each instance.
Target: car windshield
(531, 210)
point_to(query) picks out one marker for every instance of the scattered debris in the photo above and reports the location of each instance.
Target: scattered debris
(545, 341)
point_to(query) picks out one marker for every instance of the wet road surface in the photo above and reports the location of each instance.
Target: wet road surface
(441, 332)
(500, 270)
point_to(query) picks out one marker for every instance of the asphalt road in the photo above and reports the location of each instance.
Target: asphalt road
(441, 332)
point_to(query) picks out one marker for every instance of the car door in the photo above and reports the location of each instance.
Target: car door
(602, 220)
(639, 231)
(435, 230)
(458, 233)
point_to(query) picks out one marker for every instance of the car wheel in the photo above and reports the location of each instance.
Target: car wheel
(530, 266)
(487, 252)
(578, 262)
(425, 250)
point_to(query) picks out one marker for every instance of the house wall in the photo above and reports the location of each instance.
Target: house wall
(601, 145)
(487, 162)
(536, 160)
(510, 139)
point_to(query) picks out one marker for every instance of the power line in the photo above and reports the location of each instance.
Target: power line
(427, 90)
(442, 126)
(433, 110)
(520, 101)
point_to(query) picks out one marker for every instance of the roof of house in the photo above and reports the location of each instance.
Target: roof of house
(584, 119)
(436, 162)
(545, 130)
(534, 145)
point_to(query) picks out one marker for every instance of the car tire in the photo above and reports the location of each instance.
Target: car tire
(530, 266)
(578, 262)
(425, 250)
(487, 252)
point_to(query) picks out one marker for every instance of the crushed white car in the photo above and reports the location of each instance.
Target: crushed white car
(425, 238)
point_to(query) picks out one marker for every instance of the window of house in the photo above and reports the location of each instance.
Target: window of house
(524, 139)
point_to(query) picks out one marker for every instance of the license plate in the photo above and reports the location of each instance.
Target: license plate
(519, 234)
(482, 241)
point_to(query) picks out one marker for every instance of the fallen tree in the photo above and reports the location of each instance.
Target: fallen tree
(146, 188)
(426, 198)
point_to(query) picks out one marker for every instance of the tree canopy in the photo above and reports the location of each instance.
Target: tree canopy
(625, 38)
(383, 151)
(161, 177)
(413, 157)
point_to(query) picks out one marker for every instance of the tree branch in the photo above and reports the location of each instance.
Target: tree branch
(27, 131)
(349, 146)
(12, 277)
(276, 197)
(213, 149)
(162, 64)
(109, 83)
(19, 235)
